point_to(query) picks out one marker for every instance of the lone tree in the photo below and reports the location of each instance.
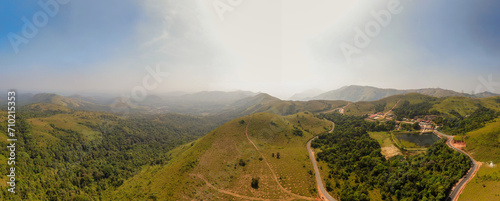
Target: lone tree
(242, 121)
(272, 155)
(242, 162)
(278, 155)
(255, 183)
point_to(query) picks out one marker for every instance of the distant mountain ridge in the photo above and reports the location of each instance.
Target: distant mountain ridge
(355, 93)
(232, 104)
(307, 94)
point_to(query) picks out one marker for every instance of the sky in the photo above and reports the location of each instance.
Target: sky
(280, 47)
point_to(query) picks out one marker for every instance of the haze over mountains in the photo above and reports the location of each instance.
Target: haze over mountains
(356, 93)
(219, 102)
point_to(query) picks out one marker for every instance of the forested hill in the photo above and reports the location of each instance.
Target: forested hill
(75, 155)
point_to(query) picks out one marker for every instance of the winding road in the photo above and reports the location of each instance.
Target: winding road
(461, 184)
(322, 191)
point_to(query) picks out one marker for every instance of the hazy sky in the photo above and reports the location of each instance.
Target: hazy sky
(276, 46)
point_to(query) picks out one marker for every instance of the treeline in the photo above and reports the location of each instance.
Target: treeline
(78, 167)
(358, 168)
(458, 124)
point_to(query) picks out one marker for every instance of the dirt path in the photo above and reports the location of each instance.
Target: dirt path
(392, 108)
(268, 165)
(224, 191)
(340, 109)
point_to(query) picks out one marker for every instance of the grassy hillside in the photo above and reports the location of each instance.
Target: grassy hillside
(221, 165)
(484, 145)
(385, 104)
(462, 105)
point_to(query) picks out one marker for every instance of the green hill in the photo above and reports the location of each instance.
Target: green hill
(221, 165)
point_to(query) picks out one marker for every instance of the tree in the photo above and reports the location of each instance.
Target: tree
(242, 162)
(255, 183)
(297, 132)
(272, 155)
(278, 155)
(416, 126)
(242, 121)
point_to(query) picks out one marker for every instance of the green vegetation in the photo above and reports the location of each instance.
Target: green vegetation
(459, 125)
(407, 110)
(255, 183)
(358, 171)
(358, 121)
(75, 154)
(484, 143)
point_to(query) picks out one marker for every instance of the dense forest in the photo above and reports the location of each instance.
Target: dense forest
(76, 168)
(358, 169)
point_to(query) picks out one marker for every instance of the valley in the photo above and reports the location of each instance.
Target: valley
(256, 147)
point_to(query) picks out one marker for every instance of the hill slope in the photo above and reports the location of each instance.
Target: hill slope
(221, 165)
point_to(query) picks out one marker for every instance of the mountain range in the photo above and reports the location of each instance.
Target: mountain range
(233, 104)
(355, 93)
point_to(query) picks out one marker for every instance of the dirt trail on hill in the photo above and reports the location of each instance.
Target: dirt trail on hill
(225, 191)
(268, 165)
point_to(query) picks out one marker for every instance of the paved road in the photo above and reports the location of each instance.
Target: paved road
(316, 170)
(455, 192)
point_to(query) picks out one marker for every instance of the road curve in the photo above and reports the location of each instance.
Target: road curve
(321, 187)
(461, 184)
